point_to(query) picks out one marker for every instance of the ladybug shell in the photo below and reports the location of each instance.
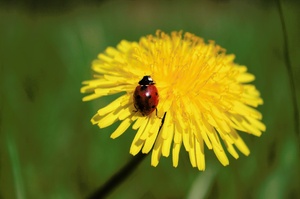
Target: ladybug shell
(145, 98)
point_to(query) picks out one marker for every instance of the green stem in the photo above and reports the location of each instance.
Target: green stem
(289, 68)
(118, 178)
(122, 174)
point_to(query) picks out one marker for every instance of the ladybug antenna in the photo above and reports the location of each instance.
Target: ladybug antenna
(147, 80)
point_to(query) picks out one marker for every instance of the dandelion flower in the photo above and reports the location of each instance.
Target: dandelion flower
(204, 97)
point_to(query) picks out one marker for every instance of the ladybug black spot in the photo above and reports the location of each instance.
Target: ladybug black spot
(143, 87)
(141, 107)
(153, 106)
(149, 96)
(156, 94)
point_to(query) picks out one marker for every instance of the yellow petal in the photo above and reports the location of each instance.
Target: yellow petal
(200, 154)
(121, 129)
(175, 153)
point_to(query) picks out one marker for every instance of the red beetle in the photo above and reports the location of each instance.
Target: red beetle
(146, 96)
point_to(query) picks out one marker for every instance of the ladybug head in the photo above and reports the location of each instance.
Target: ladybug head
(147, 80)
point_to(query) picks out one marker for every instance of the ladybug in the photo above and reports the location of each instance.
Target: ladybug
(146, 96)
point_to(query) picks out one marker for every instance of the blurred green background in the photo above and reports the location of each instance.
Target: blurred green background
(48, 147)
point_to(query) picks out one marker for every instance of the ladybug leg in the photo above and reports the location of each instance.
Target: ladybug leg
(136, 110)
(156, 114)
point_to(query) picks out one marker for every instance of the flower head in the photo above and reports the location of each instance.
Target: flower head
(204, 97)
